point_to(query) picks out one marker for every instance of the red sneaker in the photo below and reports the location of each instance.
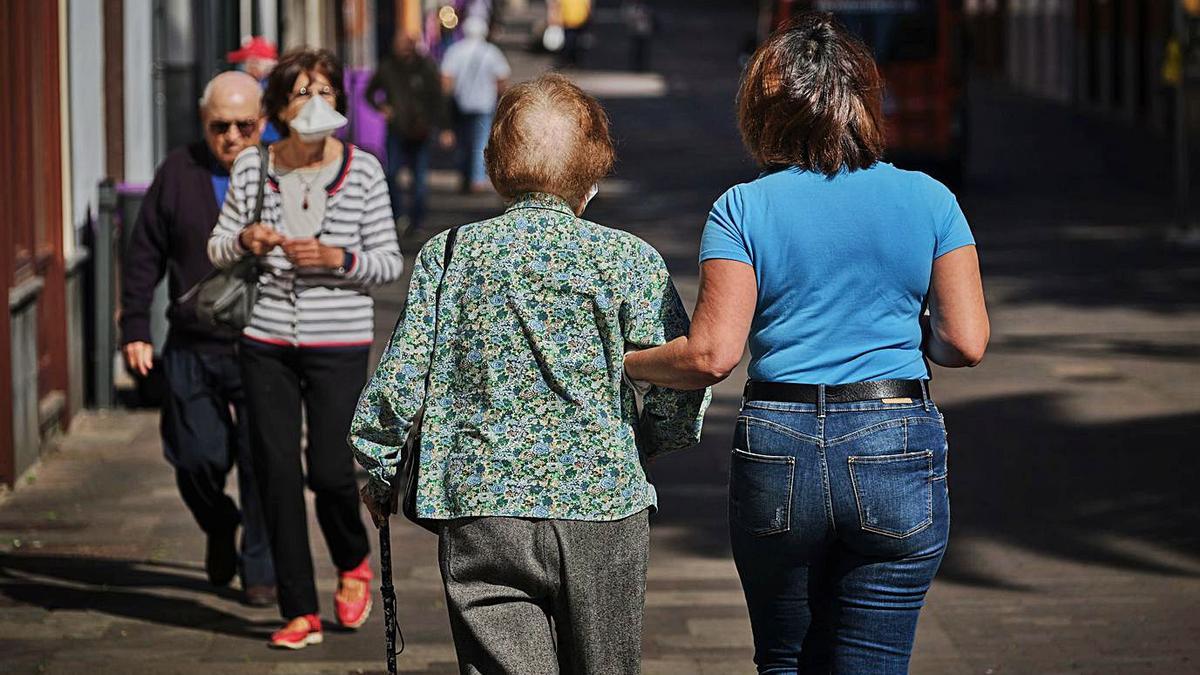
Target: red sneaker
(299, 633)
(353, 598)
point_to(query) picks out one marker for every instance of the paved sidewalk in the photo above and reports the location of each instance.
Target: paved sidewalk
(1076, 526)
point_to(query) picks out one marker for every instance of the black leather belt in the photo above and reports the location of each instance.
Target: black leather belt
(835, 393)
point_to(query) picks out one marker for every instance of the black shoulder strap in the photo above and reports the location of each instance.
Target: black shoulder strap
(451, 236)
(255, 216)
(263, 161)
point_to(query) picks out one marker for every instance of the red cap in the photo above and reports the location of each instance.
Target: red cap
(257, 47)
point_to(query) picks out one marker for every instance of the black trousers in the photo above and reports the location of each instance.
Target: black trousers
(326, 383)
(205, 434)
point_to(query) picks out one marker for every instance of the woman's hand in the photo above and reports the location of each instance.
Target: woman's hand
(259, 239)
(714, 346)
(379, 511)
(312, 253)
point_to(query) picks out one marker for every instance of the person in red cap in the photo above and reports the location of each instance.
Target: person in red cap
(257, 57)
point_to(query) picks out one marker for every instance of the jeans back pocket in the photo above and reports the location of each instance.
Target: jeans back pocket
(894, 492)
(760, 492)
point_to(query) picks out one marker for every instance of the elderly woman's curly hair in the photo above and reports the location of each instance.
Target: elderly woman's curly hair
(548, 136)
(811, 98)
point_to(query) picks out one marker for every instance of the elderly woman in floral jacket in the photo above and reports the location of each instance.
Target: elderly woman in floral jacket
(531, 456)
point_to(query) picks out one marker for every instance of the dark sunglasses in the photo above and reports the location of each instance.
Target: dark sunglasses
(221, 127)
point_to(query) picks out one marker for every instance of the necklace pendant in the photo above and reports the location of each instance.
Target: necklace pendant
(304, 204)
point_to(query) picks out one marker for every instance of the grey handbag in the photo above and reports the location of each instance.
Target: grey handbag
(225, 298)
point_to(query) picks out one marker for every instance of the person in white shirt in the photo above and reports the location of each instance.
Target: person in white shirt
(474, 74)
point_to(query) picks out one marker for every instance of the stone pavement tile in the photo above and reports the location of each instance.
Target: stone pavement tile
(31, 624)
(679, 569)
(158, 666)
(934, 651)
(733, 633)
(686, 599)
(696, 666)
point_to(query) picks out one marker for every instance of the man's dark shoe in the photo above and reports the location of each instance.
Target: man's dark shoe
(220, 557)
(259, 596)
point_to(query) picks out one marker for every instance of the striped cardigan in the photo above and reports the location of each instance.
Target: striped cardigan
(315, 307)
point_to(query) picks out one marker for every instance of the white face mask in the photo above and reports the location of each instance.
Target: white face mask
(317, 119)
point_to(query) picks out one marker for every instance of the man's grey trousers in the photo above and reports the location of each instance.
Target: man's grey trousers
(534, 597)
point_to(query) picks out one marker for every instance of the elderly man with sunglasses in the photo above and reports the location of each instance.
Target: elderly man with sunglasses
(204, 428)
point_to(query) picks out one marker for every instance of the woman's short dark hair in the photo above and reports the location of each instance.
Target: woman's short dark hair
(279, 83)
(548, 136)
(811, 98)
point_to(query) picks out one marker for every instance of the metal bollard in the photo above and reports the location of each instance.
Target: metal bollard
(104, 288)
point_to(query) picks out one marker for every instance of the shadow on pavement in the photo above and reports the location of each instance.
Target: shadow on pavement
(1023, 475)
(1086, 224)
(1119, 494)
(1092, 265)
(121, 588)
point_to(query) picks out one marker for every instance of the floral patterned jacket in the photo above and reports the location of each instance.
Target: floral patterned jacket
(527, 415)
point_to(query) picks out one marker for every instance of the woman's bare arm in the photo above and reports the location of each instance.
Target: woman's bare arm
(958, 334)
(958, 322)
(714, 345)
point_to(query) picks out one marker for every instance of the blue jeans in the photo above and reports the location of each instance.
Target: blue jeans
(473, 130)
(839, 517)
(414, 155)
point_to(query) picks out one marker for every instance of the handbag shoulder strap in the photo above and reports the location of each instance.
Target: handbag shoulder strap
(255, 216)
(451, 236)
(264, 160)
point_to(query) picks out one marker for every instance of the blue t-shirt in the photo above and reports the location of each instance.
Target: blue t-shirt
(270, 134)
(843, 268)
(220, 183)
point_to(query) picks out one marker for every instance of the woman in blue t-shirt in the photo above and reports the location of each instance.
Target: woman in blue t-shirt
(827, 263)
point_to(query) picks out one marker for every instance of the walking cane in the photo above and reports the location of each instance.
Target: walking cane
(390, 626)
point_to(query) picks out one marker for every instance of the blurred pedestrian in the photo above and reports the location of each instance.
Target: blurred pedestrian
(474, 73)
(576, 16)
(326, 237)
(530, 442)
(839, 513)
(204, 427)
(641, 23)
(415, 107)
(257, 57)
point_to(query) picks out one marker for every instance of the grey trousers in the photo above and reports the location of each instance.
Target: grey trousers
(533, 597)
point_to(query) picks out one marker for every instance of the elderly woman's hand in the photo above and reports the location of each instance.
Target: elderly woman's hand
(259, 239)
(380, 511)
(312, 253)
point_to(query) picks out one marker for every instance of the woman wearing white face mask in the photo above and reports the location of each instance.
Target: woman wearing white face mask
(326, 236)
(530, 441)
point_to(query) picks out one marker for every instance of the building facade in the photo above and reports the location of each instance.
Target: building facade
(35, 250)
(1105, 56)
(100, 91)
